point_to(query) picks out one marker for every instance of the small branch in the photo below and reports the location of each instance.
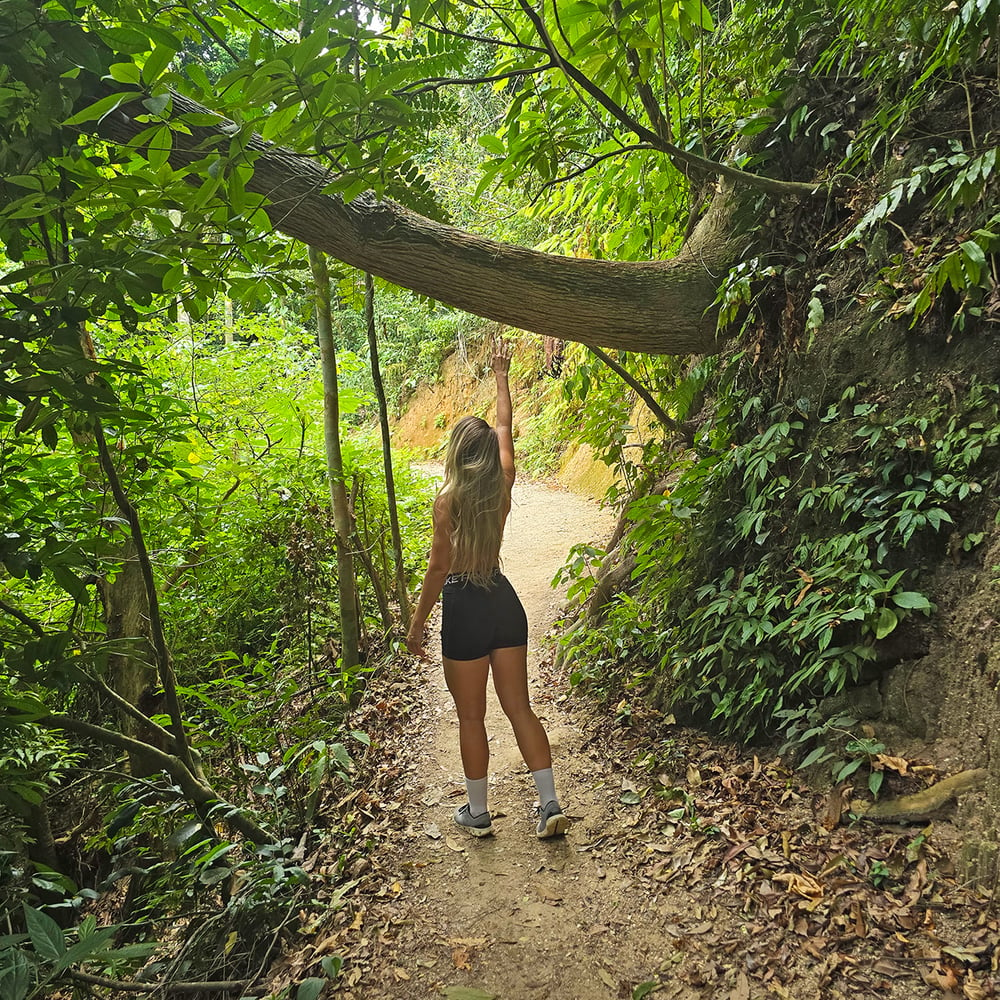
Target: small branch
(224, 986)
(23, 619)
(639, 388)
(465, 36)
(589, 166)
(253, 17)
(212, 34)
(129, 709)
(199, 793)
(435, 82)
(769, 184)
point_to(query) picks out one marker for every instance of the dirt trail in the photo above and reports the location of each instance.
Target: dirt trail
(510, 915)
(694, 869)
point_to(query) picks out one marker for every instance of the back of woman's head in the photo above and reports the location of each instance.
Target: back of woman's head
(476, 490)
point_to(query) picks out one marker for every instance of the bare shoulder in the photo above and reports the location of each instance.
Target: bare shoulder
(442, 508)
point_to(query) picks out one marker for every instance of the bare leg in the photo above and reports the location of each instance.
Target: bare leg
(510, 679)
(466, 680)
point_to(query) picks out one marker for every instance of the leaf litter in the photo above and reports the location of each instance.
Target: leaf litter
(696, 869)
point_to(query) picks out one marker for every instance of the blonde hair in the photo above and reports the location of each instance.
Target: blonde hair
(477, 495)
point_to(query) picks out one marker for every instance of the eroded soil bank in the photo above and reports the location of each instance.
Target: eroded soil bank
(692, 870)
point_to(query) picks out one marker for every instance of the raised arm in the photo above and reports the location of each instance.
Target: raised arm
(505, 411)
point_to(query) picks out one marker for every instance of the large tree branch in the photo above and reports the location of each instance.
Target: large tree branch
(659, 307)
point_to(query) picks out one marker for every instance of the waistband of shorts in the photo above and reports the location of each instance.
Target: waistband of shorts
(463, 579)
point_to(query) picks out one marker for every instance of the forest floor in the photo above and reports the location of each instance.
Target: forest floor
(693, 869)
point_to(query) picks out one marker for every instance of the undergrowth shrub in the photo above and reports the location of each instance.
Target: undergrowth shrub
(788, 548)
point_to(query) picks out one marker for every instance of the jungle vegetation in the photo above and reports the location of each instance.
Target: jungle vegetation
(216, 218)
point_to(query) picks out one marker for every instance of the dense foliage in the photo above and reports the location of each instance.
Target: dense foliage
(171, 681)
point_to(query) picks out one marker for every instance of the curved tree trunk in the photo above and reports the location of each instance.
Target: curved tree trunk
(662, 307)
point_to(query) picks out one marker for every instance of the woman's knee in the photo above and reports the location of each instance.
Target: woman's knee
(471, 716)
(519, 713)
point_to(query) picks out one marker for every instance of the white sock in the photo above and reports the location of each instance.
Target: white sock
(476, 788)
(546, 785)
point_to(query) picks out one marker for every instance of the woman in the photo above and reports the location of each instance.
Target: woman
(483, 624)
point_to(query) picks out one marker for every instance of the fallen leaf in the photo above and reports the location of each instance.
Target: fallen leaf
(693, 776)
(432, 831)
(460, 959)
(973, 990)
(401, 974)
(644, 989)
(455, 845)
(941, 976)
(835, 806)
(884, 760)
(800, 884)
(607, 979)
(741, 991)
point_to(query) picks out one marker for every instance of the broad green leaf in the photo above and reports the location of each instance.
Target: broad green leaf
(86, 947)
(157, 61)
(887, 621)
(644, 989)
(100, 109)
(911, 599)
(124, 72)
(15, 974)
(46, 935)
(310, 989)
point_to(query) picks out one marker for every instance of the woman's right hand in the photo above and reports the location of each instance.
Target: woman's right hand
(415, 643)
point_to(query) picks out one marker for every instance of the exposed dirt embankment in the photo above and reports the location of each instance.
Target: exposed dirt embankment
(466, 386)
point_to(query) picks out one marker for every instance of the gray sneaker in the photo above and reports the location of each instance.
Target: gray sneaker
(551, 821)
(478, 826)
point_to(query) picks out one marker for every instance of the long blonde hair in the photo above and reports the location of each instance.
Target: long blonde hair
(478, 497)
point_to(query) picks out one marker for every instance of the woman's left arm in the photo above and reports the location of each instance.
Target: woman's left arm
(438, 567)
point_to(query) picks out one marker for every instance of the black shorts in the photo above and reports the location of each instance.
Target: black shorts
(476, 620)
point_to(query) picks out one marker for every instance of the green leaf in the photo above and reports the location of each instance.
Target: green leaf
(887, 621)
(849, 768)
(160, 145)
(310, 989)
(99, 109)
(124, 72)
(644, 989)
(911, 599)
(46, 935)
(156, 63)
(875, 780)
(974, 252)
(156, 104)
(86, 948)
(15, 975)
(814, 756)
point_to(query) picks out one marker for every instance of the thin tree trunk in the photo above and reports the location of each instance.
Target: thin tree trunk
(402, 595)
(164, 667)
(348, 588)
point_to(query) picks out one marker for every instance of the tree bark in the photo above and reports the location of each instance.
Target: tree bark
(402, 596)
(660, 307)
(350, 632)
